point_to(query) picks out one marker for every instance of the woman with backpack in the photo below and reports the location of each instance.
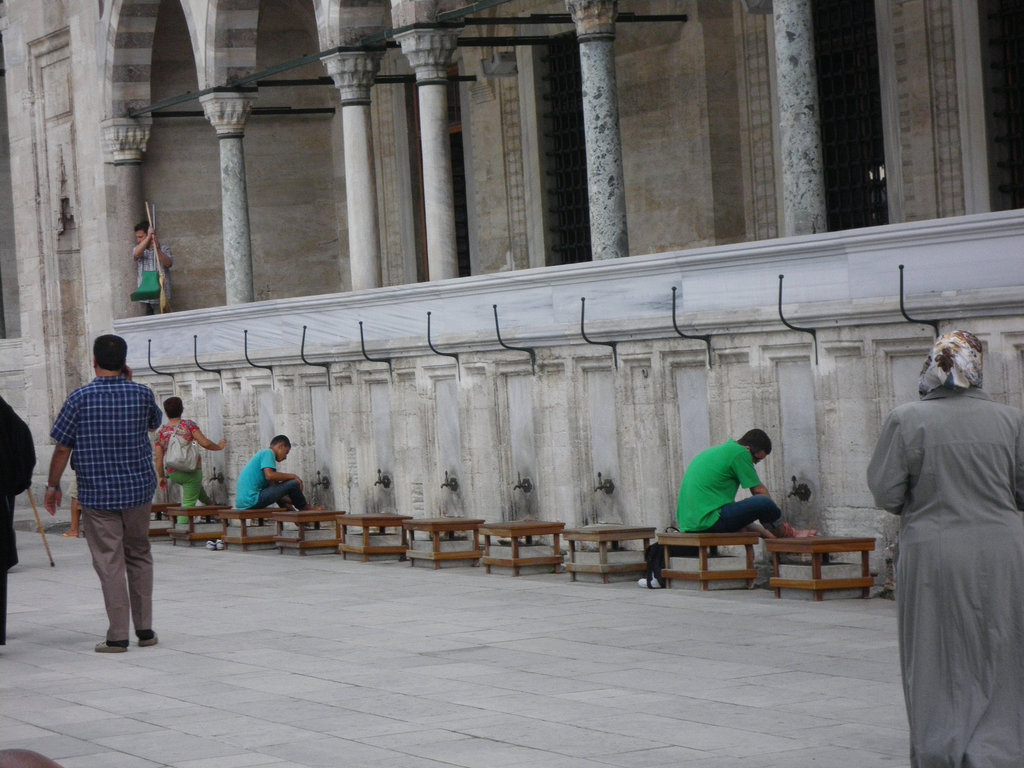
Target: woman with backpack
(177, 455)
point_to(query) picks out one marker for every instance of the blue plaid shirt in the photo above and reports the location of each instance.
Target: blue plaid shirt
(106, 423)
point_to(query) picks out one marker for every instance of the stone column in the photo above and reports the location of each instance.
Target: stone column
(125, 140)
(227, 113)
(595, 30)
(353, 74)
(430, 53)
(803, 175)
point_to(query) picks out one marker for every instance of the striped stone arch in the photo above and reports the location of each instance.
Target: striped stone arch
(128, 63)
(231, 32)
(346, 22)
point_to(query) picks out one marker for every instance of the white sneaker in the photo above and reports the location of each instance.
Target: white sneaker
(642, 583)
(210, 545)
(218, 544)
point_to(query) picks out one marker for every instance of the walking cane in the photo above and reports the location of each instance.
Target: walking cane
(39, 523)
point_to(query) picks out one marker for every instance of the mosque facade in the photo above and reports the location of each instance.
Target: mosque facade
(561, 241)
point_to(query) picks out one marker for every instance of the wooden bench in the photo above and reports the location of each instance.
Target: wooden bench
(609, 539)
(209, 516)
(521, 533)
(243, 534)
(820, 549)
(368, 543)
(305, 521)
(159, 523)
(705, 573)
(464, 550)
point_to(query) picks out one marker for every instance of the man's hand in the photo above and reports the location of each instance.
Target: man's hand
(51, 500)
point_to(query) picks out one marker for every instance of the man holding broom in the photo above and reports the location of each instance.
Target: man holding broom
(106, 423)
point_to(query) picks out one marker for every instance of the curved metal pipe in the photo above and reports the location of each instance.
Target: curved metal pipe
(933, 323)
(195, 356)
(149, 361)
(302, 354)
(706, 339)
(528, 350)
(436, 351)
(250, 362)
(785, 322)
(362, 345)
(613, 344)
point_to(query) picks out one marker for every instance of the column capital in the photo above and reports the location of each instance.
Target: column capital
(353, 73)
(227, 112)
(125, 139)
(430, 52)
(593, 18)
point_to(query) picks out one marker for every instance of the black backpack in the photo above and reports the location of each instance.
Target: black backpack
(17, 452)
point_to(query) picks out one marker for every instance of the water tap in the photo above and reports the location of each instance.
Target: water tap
(450, 482)
(383, 479)
(605, 485)
(524, 484)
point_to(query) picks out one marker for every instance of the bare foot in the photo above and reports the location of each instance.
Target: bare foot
(805, 533)
(71, 535)
(785, 531)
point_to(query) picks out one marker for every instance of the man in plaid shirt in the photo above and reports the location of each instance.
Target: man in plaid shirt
(106, 423)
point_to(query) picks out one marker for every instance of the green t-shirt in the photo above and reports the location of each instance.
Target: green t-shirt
(711, 481)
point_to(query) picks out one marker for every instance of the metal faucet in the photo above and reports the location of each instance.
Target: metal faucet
(450, 482)
(383, 479)
(524, 484)
(605, 485)
(322, 481)
(802, 491)
(217, 476)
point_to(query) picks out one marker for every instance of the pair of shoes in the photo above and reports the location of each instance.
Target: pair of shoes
(218, 544)
(115, 646)
(642, 583)
(152, 640)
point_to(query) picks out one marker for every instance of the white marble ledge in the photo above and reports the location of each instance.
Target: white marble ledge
(945, 260)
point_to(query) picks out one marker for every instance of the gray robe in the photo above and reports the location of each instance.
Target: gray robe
(952, 466)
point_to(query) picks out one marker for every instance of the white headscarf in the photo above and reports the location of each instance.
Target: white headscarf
(954, 363)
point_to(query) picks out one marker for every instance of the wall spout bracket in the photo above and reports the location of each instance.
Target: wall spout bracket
(785, 322)
(149, 362)
(436, 351)
(302, 354)
(529, 350)
(933, 323)
(195, 356)
(245, 338)
(362, 345)
(583, 332)
(705, 338)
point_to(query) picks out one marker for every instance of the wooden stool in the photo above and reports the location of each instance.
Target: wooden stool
(286, 540)
(187, 531)
(819, 548)
(363, 543)
(607, 537)
(243, 534)
(521, 532)
(465, 551)
(705, 573)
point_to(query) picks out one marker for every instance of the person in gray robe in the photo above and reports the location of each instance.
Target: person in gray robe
(952, 467)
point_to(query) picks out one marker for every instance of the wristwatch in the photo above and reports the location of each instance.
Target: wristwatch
(54, 488)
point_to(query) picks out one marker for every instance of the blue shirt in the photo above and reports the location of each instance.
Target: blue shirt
(252, 480)
(106, 423)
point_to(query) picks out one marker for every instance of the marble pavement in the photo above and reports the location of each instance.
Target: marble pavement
(276, 660)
